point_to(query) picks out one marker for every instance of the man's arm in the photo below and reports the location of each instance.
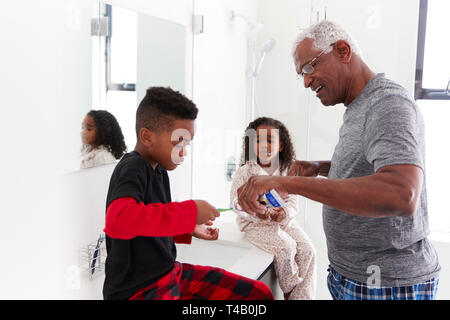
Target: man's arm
(392, 191)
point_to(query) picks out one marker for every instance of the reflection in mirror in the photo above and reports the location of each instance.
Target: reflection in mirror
(102, 139)
(130, 52)
(139, 51)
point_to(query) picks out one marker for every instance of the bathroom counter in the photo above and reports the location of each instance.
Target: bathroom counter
(232, 251)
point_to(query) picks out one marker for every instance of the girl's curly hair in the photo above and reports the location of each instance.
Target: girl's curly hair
(109, 133)
(287, 154)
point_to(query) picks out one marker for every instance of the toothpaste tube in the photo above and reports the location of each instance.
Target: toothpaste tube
(271, 200)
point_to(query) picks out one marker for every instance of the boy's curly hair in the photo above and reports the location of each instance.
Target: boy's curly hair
(287, 154)
(159, 108)
(109, 133)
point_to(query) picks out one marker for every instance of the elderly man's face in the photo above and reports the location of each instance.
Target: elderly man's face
(324, 81)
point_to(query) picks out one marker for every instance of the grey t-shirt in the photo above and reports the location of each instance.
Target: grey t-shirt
(382, 126)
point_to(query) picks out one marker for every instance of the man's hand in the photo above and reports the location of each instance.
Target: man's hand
(257, 185)
(206, 233)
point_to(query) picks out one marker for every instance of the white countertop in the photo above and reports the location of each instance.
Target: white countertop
(253, 264)
(232, 251)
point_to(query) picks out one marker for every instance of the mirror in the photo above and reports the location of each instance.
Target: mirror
(128, 52)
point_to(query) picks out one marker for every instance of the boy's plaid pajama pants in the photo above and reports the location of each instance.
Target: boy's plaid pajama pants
(190, 282)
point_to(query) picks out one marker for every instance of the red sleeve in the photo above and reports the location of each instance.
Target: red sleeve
(126, 218)
(183, 238)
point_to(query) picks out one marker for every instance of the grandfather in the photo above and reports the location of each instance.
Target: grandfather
(375, 206)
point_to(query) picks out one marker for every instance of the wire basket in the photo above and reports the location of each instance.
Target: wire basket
(93, 258)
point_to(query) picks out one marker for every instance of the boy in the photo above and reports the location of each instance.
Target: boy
(142, 223)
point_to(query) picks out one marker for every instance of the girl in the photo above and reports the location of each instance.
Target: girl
(102, 139)
(268, 150)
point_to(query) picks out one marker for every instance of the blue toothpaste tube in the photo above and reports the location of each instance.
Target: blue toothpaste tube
(272, 199)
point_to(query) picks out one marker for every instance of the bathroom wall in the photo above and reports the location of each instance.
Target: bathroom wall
(46, 67)
(220, 88)
(35, 89)
(84, 193)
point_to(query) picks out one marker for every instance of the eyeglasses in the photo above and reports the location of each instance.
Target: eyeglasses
(308, 68)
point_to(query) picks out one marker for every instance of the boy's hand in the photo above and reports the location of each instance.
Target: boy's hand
(206, 213)
(201, 231)
(277, 214)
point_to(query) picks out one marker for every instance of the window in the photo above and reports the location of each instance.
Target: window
(121, 49)
(433, 98)
(436, 114)
(114, 67)
(433, 51)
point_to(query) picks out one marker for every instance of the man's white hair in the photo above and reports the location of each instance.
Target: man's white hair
(323, 34)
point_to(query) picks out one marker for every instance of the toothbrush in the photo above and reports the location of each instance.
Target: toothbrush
(97, 249)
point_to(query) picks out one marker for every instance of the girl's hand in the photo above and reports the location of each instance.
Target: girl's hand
(277, 214)
(310, 168)
(263, 216)
(205, 233)
(304, 169)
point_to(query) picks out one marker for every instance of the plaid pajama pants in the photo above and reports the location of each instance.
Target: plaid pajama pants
(192, 282)
(342, 288)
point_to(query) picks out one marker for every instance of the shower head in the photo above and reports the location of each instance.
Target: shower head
(268, 45)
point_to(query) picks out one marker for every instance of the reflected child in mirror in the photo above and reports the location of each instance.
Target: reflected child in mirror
(102, 139)
(268, 150)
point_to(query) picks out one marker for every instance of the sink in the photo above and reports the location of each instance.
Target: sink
(211, 253)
